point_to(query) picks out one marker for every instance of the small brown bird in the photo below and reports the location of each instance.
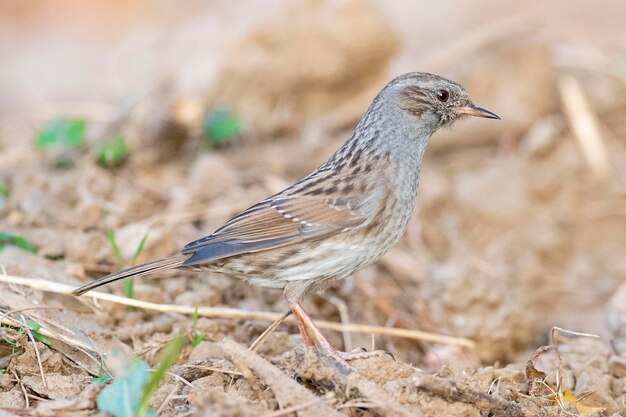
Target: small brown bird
(340, 218)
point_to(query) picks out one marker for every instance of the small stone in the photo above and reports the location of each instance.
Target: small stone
(15, 397)
(617, 366)
(88, 215)
(205, 350)
(541, 136)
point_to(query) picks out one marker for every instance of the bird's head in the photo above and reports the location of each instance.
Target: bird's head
(433, 101)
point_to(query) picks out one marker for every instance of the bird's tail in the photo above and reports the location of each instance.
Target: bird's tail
(135, 271)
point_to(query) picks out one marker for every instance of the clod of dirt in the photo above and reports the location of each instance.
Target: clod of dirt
(617, 366)
(162, 134)
(326, 375)
(81, 405)
(6, 382)
(205, 349)
(286, 391)
(291, 84)
(210, 176)
(58, 386)
(278, 343)
(149, 328)
(467, 300)
(435, 396)
(381, 369)
(14, 397)
(306, 365)
(63, 379)
(214, 402)
(217, 380)
(218, 395)
(163, 394)
(52, 361)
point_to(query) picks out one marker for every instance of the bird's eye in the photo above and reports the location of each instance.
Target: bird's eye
(442, 95)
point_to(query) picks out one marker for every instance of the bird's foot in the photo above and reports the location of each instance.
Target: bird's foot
(305, 324)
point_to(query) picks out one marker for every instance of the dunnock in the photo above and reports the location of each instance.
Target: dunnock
(341, 217)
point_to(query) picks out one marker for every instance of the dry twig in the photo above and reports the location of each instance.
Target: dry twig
(19, 382)
(585, 126)
(169, 397)
(453, 392)
(328, 398)
(286, 390)
(342, 308)
(222, 312)
(261, 339)
(45, 332)
(29, 332)
(559, 368)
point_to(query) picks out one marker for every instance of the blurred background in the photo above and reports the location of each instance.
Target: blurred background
(125, 119)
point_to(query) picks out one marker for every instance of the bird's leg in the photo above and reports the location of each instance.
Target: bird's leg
(302, 326)
(306, 322)
(302, 318)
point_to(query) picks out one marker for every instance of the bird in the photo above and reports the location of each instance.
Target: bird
(341, 217)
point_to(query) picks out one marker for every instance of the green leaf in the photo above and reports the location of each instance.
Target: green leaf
(129, 394)
(102, 377)
(220, 126)
(34, 327)
(168, 357)
(122, 397)
(113, 153)
(129, 286)
(16, 240)
(9, 341)
(5, 192)
(139, 249)
(62, 132)
(116, 249)
(196, 336)
(41, 338)
(32, 324)
(129, 292)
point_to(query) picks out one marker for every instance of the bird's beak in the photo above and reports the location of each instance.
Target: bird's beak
(474, 110)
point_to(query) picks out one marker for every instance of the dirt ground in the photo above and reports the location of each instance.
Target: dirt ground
(520, 225)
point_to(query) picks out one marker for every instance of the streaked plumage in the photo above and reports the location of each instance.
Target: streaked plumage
(341, 217)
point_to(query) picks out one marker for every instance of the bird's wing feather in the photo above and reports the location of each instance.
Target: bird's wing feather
(277, 222)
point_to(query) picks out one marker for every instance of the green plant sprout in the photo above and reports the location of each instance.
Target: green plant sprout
(196, 336)
(220, 126)
(5, 192)
(129, 394)
(62, 132)
(102, 377)
(129, 286)
(113, 153)
(16, 240)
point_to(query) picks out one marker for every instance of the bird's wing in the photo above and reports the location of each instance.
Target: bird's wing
(280, 221)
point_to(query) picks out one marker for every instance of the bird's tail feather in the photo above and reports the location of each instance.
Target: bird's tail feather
(135, 271)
